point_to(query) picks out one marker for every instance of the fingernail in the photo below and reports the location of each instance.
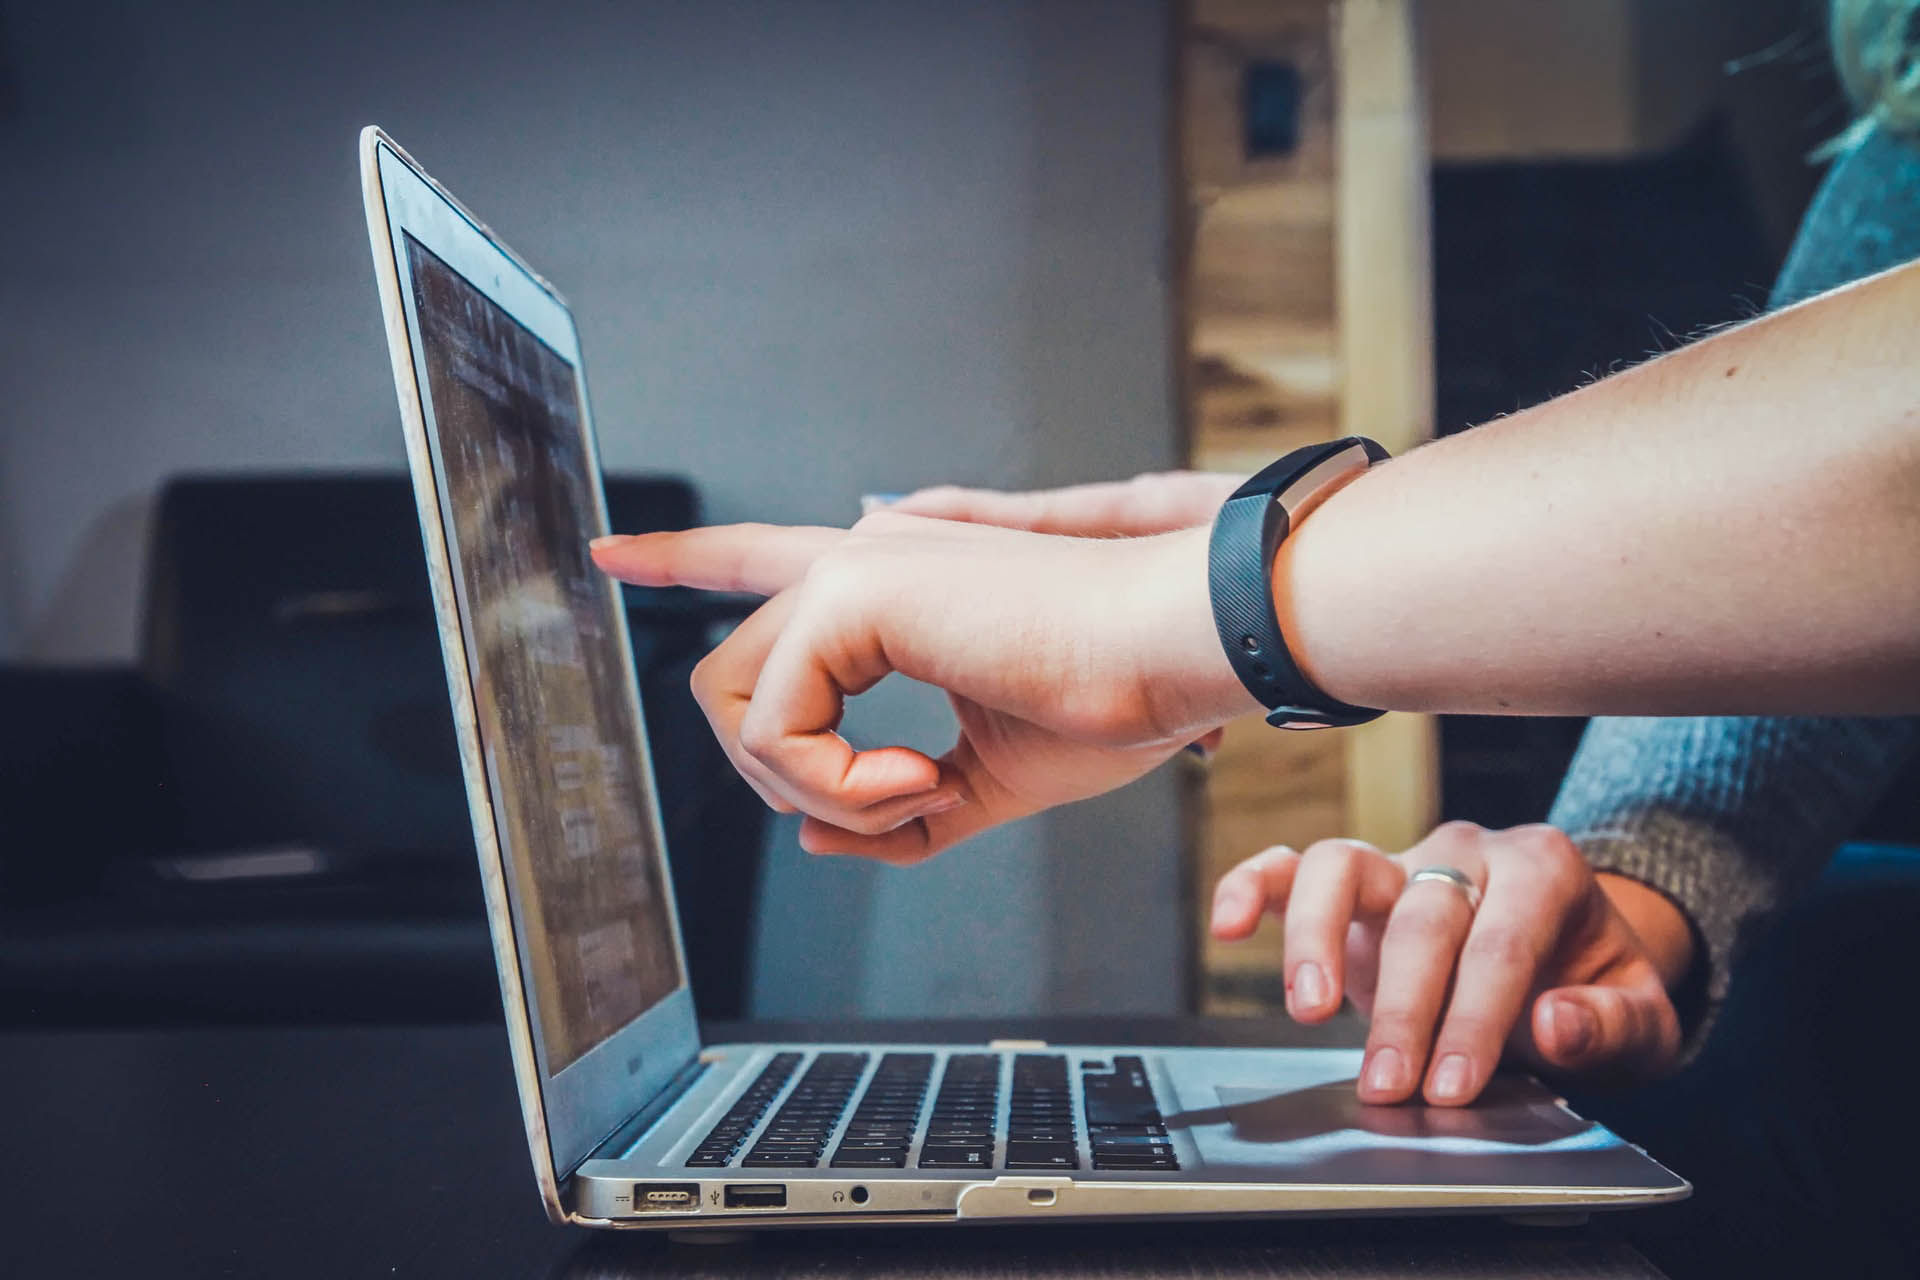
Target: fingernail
(1386, 1070)
(1229, 905)
(609, 540)
(872, 502)
(1451, 1077)
(943, 804)
(1309, 988)
(1573, 1027)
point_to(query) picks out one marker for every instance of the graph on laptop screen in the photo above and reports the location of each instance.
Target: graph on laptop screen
(556, 725)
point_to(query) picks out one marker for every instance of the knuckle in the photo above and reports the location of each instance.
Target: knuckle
(883, 522)
(1501, 947)
(1425, 923)
(1551, 849)
(1459, 829)
(1267, 860)
(1310, 927)
(836, 573)
(758, 738)
(1338, 851)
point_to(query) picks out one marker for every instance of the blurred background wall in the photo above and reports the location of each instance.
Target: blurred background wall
(816, 249)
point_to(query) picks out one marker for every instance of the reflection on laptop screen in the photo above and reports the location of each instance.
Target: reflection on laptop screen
(556, 724)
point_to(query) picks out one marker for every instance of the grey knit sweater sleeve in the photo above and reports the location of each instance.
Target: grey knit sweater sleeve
(1731, 816)
(1727, 816)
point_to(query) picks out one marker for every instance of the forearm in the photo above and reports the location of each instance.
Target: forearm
(1732, 527)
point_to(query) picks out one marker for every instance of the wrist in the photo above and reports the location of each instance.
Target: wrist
(1311, 571)
(1183, 676)
(1658, 921)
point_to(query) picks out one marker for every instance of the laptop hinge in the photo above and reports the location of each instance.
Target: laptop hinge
(621, 1140)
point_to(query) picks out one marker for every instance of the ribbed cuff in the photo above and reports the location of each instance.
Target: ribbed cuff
(1707, 877)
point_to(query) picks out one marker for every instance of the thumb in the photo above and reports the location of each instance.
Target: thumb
(1628, 1027)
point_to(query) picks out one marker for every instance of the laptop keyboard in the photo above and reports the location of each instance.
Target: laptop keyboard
(1039, 1128)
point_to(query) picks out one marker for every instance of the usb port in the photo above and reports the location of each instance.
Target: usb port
(663, 1197)
(756, 1195)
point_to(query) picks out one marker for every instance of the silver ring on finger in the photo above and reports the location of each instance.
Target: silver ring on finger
(1448, 875)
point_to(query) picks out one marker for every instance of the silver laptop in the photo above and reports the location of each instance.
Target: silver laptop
(631, 1121)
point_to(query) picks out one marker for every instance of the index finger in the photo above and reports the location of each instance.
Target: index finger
(1145, 505)
(1042, 511)
(760, 559)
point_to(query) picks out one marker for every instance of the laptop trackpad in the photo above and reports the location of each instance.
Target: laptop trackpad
(1323, 1131)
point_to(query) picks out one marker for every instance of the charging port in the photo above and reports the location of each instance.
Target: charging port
(756, 1195)
(665, 1197)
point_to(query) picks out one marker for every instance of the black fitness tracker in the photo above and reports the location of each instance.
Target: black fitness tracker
(1246, 534)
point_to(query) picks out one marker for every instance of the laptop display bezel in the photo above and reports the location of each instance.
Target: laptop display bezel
(568, 1112)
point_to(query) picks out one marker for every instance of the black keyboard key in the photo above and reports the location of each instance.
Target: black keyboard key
(1103, 1111)
(956, 1157)
(1136, 1163)
(1122, 1097)
(757, 1159)
(1042, 1155)
(871, 1159)
(1159, 1150)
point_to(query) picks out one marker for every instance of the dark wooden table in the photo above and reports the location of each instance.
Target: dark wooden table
(379, 1151)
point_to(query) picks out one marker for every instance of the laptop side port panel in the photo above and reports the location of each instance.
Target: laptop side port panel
(756, 1195)
(666, 1197)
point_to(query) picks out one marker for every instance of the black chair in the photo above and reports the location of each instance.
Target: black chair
(265, 820)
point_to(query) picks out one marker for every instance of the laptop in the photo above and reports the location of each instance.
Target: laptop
(631, 1121)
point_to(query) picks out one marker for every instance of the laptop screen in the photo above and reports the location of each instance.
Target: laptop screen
(547, 663)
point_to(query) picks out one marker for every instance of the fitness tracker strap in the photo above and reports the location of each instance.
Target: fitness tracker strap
(1246, 534)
